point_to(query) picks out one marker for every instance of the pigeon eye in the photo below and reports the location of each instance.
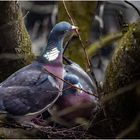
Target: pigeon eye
(62, 32)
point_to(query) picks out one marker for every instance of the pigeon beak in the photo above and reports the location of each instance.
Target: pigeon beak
(74, 27)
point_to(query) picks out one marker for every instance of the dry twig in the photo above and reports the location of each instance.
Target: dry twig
(82, 44)
(89, 69)
(70, 83)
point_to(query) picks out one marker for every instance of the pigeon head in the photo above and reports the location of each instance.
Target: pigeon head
(74, 80)
(55, 40)
(61, 29)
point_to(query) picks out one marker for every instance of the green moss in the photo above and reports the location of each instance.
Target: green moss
(103, 42)
(25, 45)
(122, 72)
(124, 64)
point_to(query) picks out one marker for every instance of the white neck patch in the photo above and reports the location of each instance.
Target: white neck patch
(52, 54)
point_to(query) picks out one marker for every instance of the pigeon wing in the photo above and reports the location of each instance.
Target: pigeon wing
(27, 76)
(18, 100)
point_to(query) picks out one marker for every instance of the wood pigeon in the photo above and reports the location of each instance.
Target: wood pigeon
(85, 80)
(75, 103)
(31, 90)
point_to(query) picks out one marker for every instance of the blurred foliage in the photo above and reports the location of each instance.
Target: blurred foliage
(82, 13)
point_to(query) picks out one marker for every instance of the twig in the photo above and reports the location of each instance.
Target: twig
(77, 32)
(70, 83)
(26, 14)
(137, 10)
(89, 69)
(63, 132)
(67, 44)
(68, 61)
(68, 12)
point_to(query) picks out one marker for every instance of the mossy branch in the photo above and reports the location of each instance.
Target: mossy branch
(124, 65)
(122, 72)
(103, 42)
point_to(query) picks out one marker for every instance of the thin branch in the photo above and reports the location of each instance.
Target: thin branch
(70, 83)
(67, 44)
(68, 13)
(68, 61)
(129, 3)
(103, 42)
(26, 14)
(77, 32)
(89, 69)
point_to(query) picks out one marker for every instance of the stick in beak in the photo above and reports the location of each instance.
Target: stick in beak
(74, 27)
(75, 30)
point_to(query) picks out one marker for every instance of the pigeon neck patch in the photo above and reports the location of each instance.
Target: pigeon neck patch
(52, 54)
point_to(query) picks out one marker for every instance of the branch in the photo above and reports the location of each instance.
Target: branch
(78, 34)
(129, 3)
(70, 83)
(89, 67)
(96, 46)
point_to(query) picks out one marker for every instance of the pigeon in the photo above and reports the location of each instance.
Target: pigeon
(32, 90)
(85, 80)
(74, 102)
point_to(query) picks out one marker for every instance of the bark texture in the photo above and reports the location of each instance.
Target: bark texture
(15, 44)
(122, 81)
(15, 52)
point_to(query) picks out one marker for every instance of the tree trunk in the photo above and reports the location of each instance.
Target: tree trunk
(15, 52)
(15, 44)
(121, 85)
